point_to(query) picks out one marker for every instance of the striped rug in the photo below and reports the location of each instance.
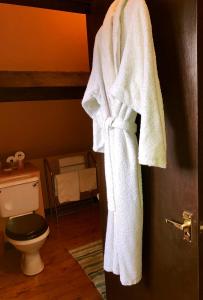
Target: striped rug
(90, 258)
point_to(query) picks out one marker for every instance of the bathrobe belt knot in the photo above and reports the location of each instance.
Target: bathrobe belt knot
(116, 122)
(111, 124)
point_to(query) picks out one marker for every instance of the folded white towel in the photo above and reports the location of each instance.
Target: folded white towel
(71, 163)
(88, 179)
(67, 187)
(68, 169)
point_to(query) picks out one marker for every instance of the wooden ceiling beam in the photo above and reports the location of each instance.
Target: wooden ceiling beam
(36, 86)
(77, 6)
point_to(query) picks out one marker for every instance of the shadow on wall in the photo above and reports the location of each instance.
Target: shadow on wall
(44, 128)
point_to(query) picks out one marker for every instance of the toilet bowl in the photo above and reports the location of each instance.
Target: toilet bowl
(28, 233)
(25, 229)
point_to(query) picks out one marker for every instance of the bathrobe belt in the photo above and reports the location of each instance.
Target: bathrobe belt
(110, 124)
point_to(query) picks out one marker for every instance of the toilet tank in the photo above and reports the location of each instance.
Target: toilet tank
(19, 197)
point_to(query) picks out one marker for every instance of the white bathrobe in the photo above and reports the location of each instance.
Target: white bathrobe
(124, 82)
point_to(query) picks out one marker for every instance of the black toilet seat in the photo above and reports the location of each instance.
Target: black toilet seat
(26, 227)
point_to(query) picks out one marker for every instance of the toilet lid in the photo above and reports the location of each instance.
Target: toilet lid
(26, 227)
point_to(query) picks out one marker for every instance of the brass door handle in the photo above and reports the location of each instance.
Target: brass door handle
(186, 226)
(180, 226)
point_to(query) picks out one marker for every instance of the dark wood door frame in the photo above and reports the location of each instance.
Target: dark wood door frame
(200, 135)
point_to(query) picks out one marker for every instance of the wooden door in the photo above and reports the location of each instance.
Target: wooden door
(171, 266)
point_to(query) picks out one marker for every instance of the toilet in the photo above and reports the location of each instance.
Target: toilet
(25, 229)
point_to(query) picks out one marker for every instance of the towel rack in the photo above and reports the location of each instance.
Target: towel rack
(52, 168)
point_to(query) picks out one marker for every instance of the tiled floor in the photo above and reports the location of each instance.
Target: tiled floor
(62, 278)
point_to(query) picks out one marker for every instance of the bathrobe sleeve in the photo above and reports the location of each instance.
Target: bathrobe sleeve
(137, 83)
(92, 100)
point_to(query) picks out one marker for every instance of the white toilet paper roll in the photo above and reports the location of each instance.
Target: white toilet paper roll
(20, 155)
(11, 160)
